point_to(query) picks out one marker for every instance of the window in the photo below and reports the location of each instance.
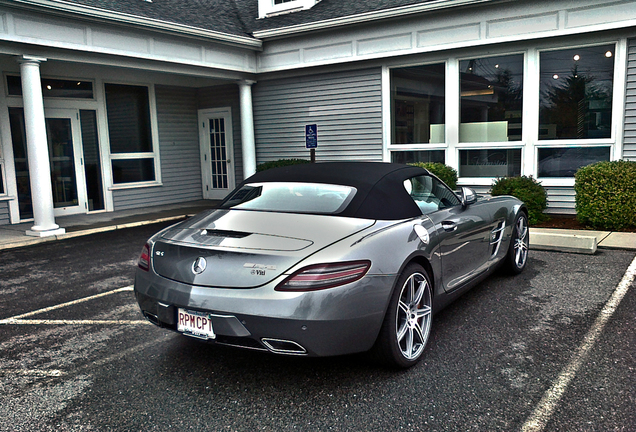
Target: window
(491, 99)
(21, 164)
(564, 161)
(133, 156)
(576, 93)
(289, 197)
(430, 194)
(2, 187)
(54, 88)
(267, 8)
(418, 108)
(407, 157)
(490, 163)
(92, 160)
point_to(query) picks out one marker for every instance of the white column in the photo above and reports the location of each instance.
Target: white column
(37, 150)
(247, 129)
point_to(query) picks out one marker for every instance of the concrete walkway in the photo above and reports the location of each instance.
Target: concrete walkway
(13, 236)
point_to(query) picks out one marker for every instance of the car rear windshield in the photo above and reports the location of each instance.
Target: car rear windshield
(289, 197)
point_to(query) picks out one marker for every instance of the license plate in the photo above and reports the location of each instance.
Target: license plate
(197, 324)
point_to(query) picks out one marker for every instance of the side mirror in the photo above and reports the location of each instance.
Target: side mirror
(468, 196)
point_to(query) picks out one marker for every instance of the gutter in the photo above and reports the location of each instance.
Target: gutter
(431, 6)
(96, 14)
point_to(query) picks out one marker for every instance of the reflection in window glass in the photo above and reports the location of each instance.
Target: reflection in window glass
(18, 138)
(54, 88)
(430, 194)
(576, 93)
(565, 161)
(290, 197)
(133, 170)
(490, 163)
(128, 110)
(407, 157)
(491, 102)
(92, 161)
(418, 104)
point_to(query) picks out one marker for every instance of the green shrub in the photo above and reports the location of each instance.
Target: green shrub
(606, 195)
(445, 173)
(280, 163)
(527, 190)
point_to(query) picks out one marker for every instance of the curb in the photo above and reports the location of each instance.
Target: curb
(37, 240)
(572, 243)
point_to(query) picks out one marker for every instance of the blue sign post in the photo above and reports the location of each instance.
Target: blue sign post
(311, 140)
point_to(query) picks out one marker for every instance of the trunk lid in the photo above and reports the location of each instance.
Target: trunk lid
(244, 249)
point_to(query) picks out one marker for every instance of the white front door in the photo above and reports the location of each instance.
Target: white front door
(63, 134)
(217, 152)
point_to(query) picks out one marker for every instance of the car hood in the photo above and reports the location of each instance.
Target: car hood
(244, 249)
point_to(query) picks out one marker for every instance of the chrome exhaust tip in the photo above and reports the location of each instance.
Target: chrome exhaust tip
(280, 346)
(152, 318)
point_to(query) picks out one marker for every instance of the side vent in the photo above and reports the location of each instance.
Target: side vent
(496, 236)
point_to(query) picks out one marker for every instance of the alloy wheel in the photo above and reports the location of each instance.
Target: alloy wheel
(521, 243)
(413, 318)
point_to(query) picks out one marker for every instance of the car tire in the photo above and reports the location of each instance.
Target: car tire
(407, 323)
(517, 256)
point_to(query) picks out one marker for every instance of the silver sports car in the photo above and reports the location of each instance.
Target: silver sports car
(327, 259)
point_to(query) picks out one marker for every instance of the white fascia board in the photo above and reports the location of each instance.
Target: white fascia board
(96, 14)
(367, 17)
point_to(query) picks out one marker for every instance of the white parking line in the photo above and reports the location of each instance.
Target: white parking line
(543, 412)
(12, 319)
(32, 372)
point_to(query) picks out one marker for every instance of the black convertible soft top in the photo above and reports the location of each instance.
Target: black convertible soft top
(380, 186)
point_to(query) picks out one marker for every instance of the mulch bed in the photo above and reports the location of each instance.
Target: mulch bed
(569, 222)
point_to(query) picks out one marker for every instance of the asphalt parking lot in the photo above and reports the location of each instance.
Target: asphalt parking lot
(551, 349)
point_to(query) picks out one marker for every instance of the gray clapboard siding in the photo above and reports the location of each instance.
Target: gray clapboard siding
(4, 213)
(560, 200)
(629, 142)
(346, 107)
(179, 153)
(221, 97)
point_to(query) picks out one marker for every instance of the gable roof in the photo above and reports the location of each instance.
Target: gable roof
(235, 17)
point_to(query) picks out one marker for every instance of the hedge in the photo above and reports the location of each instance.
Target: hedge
(280, 163)
(606, 195)
(527, 190)
(445, 173)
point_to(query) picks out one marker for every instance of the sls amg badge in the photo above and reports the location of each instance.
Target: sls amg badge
(199, 265)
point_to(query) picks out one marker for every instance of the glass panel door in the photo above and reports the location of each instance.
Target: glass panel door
(60, 141)
(216, 152)
(63, 136)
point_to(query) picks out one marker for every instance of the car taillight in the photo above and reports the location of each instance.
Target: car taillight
(144, 258)
(322, 276)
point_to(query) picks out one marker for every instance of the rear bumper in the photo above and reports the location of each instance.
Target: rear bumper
(335, 321)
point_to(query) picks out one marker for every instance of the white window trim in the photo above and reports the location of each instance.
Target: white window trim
(618, 108)
(154, 136)
(530, 114)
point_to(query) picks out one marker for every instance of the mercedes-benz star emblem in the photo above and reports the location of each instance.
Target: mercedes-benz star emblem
(199, 265)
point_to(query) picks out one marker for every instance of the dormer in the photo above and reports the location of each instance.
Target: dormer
(268, 8)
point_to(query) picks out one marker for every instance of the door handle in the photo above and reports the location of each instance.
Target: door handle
(449, 225)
